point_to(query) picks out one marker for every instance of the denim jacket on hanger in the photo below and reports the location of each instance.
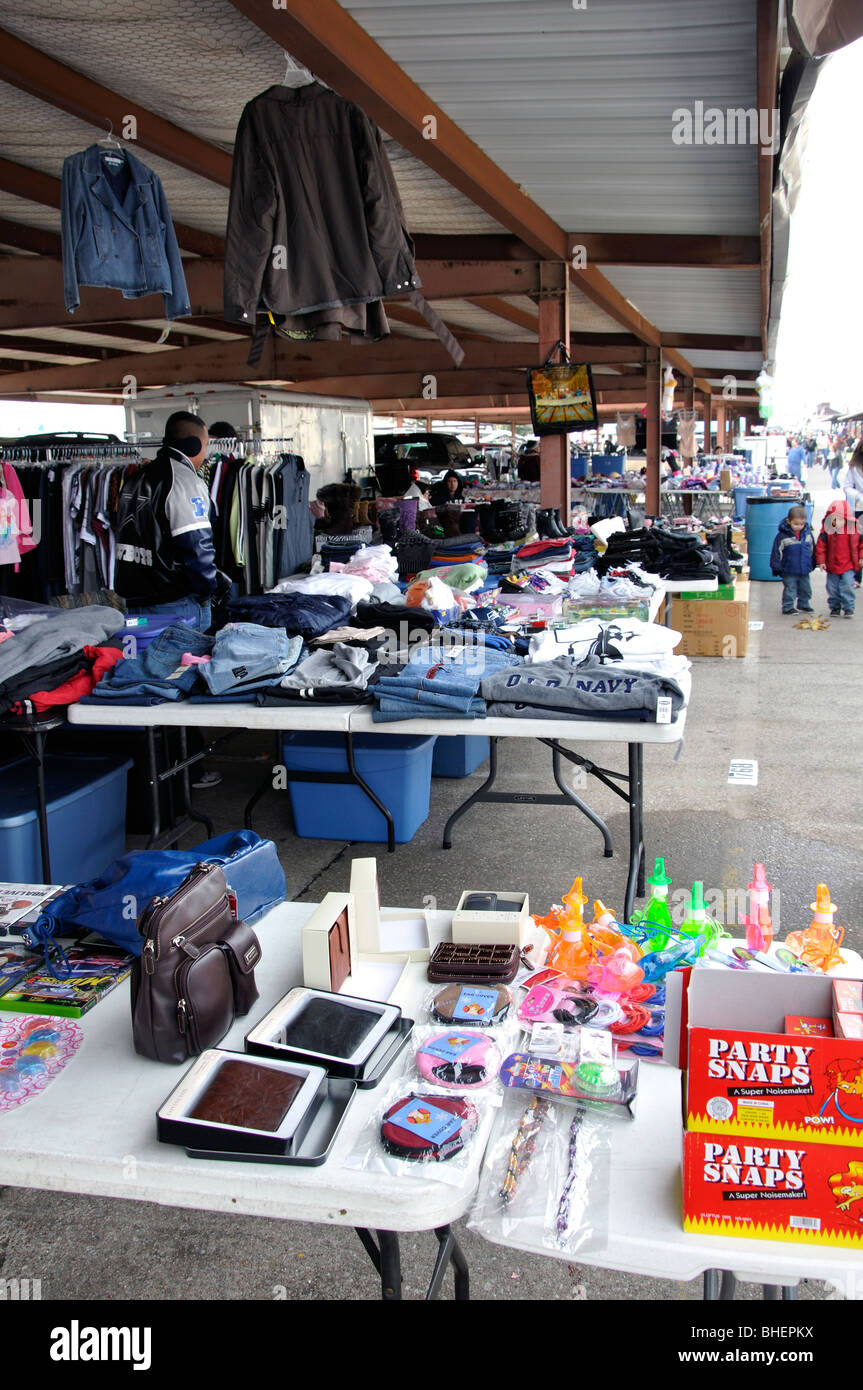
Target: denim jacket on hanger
(117, 231)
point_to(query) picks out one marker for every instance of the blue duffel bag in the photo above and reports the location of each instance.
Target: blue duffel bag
(111, 903)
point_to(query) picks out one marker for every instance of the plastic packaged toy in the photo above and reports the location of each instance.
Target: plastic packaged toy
(458, 1061)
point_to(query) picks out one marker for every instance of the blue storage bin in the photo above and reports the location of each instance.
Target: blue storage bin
(741, 496)
(763, 515)
(459, 754)
(86, 799)
(397, 767)
(577, 466)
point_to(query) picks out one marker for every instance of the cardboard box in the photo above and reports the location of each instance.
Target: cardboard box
(761, 1189)
(737, 589)
(848, 996)
(713, 627)
(329, 943)
(809, 1027)
(749, 1079)
(492, 928)
(381, 933)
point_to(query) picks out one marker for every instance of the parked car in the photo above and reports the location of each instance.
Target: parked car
(422, 450)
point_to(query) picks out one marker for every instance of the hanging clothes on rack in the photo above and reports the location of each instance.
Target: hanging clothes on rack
(67, 504)
(263, 529)
(316, 234)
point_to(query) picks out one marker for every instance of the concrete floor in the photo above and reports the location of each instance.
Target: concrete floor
(792, 703)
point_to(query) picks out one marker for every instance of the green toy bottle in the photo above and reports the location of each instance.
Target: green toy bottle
(655, 914)
(697, 922)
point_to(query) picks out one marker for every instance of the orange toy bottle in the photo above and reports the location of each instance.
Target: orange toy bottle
(818, 945)
(572, 951)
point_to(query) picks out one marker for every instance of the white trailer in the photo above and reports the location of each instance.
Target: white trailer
(333, 434)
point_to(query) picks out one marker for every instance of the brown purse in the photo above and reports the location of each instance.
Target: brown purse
(196, 971)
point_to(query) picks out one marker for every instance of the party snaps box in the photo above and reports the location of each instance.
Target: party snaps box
(770, 1189)
(748, 1077)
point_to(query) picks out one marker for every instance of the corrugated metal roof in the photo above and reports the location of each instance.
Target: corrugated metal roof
(681, 300)
(576, 104)
(233, 61)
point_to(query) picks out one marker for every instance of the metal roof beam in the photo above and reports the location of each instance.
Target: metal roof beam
(768, 100)
(31, 71)
(677, 249)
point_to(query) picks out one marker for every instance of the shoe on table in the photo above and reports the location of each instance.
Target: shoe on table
(206, 780)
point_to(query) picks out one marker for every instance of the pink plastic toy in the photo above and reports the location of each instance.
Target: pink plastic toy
(758, 924)
(615, 973)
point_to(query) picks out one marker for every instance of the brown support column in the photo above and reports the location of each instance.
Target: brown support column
(476, 431)
(428, 424)
(720, 429)
(554, 486)
(708, 423)
(653, 367)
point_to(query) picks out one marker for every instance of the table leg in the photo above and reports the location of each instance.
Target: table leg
(635, 877)
(772, 1293)
(449, 1250)
(187, 790)
(386, 1258)
(576, 801)
(477, 795)
(266, 785)
(355, 776)
(728, 1288)
(711, 1285)
(41, 801)
(153, 784)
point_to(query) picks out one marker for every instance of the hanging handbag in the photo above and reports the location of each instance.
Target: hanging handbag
(561, 395)
(196, 971)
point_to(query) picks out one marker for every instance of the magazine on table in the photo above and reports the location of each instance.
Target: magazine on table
(20, 905)
(94, 970)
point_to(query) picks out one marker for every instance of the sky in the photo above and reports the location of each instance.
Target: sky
(819, 353)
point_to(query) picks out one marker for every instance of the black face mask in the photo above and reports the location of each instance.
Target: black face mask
(190, 446)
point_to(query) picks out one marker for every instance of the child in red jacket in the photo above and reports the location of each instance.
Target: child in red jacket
(838, 551)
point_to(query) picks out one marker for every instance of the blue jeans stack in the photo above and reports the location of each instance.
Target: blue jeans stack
(156, 675)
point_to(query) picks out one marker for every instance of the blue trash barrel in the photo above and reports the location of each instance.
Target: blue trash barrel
(763, 515)
(742, 493)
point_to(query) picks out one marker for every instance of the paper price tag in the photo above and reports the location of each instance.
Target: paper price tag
(663, 709)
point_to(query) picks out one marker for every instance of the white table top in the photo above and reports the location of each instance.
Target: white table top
(645, 1224)
(93, 1130)
(690, 586)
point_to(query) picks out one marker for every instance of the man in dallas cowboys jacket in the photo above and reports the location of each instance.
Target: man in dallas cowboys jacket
(166, 563)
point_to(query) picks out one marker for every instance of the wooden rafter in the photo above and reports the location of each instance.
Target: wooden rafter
(37, 187)
(44, 77)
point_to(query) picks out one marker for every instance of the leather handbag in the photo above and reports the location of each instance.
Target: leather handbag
(196, 971)
(111, 903)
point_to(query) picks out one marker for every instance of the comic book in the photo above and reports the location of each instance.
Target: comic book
(15, 962)
(95, 971)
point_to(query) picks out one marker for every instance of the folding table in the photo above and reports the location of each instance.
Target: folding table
(353, 719)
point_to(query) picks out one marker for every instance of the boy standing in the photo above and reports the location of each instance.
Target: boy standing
(838, 551)
(793, 559)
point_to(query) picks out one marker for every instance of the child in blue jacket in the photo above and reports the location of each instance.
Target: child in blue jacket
(793, 559)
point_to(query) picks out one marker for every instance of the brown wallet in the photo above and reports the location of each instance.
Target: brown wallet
(473, 964)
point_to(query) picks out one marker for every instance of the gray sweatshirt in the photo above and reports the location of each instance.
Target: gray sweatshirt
(62, 633)
(567, 689)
